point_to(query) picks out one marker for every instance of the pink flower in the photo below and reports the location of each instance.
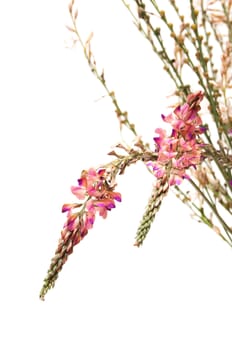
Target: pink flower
(96, 191)
(180, 150)
(99, 197)
(185, 119)
(94, 184)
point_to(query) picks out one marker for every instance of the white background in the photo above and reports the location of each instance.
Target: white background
(175, 291)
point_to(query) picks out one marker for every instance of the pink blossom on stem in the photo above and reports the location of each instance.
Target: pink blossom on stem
(99, 197)
(181, 149)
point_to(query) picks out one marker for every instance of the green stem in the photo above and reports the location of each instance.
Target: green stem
(227, 229)
(212, 100)
(162, 54)
(228, 20)
(207, 44)
(202, 217)
(221, 168)
(101, 78)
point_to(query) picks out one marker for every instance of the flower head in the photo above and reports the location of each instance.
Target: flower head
(181, 149)
(98, 196)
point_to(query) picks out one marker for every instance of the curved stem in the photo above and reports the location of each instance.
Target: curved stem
(227, 229)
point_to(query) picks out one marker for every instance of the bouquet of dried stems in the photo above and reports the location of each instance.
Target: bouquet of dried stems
(195, 151)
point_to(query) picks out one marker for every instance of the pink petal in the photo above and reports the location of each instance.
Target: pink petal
(79, 192)
(68, 207)
(102, 212)
(117, 196)
(106, 203)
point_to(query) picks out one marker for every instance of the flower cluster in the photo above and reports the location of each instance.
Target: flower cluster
(180, 150)
(94, 188)
(97, 192)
